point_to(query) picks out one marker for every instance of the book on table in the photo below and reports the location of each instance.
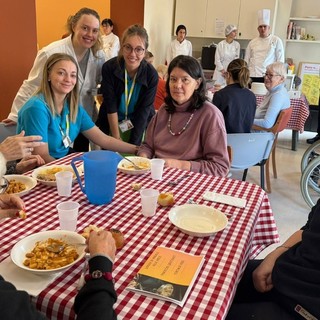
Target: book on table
(168, 274)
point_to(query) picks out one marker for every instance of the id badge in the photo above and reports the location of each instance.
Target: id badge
(125, 125)
(66, 141)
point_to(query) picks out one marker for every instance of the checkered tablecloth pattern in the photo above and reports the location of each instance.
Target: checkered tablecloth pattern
(299, 115)
(249, 231)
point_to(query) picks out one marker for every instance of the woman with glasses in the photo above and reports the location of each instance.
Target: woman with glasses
(84, 44)
(276, 99)
(188, 132)
(129, 85)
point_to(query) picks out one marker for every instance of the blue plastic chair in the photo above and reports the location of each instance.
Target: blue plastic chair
(250, 149)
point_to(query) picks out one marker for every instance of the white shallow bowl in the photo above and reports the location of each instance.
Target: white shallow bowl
(198, 220)
(28, 181)
(25, 245)
(126, 167)
(43, 169)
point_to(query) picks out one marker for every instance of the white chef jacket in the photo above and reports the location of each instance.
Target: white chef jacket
(111, 45)
(86, 84)
(176, 48)
(225, 53)
(261, 52)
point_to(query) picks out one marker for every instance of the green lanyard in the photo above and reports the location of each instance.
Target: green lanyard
(65, 136)
(128, 98)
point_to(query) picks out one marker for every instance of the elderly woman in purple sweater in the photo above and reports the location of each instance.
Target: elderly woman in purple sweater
(188, 132)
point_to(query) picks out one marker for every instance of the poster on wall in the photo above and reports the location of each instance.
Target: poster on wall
(309, 73)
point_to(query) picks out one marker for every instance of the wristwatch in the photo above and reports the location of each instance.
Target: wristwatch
(97, 274)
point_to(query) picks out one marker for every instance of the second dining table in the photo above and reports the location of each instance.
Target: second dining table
(249, 230)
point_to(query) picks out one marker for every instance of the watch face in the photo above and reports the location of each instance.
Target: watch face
(96, 274)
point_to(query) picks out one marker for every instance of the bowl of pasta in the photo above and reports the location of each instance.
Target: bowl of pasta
(144, 165)
(19, 184)
(32, 254)
(46, 174)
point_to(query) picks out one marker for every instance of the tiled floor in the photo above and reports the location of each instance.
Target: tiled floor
(288, 206)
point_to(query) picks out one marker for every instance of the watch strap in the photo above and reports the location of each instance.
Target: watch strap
(97, 274)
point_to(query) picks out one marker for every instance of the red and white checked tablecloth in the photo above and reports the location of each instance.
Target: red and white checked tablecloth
(249, 231)
(299, 115)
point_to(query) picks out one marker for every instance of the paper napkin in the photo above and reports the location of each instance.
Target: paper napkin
(222, 198)
(25, 280)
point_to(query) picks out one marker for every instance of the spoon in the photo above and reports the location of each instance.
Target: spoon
(134, 165)
(57, 248)
(175, 182)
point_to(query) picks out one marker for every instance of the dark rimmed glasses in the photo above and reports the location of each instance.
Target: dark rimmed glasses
(128, 49)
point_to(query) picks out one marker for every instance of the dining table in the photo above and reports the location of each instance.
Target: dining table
(250, 229)
(300, 113)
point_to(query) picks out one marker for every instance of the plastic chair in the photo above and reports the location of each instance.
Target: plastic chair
(280, 124)
(6, 131)
(250, 149)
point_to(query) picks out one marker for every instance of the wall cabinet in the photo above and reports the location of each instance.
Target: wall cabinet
(204, 18)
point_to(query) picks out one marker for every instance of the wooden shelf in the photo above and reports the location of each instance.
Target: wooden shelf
(303, 41)
(305, 19)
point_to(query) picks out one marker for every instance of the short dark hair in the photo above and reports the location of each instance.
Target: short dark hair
(107, 21)
(179, 27)
(191, 66)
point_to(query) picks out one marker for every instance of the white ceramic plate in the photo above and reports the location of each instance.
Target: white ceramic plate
(19, 250)
(198, 220)
(44, 170)
(28, 181)
(126, 167)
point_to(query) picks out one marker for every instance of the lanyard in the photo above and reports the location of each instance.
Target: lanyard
(67, 128)
(128, 98)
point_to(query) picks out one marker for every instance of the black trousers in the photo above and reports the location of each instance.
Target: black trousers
(249, 304)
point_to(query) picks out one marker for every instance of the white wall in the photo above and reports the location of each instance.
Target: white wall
(158, 20)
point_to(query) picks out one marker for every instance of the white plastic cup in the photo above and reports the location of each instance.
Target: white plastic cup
(149, 199)
(68, 215)
(157, 168)
(64, 183)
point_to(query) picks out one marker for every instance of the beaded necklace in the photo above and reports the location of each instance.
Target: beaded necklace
(184, 127)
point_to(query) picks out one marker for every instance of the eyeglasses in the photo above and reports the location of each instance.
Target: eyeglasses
(128, 49)
(270, 76)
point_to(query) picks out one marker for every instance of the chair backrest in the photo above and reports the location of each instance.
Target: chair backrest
(282, 120)
(6, 131)
(249, 149)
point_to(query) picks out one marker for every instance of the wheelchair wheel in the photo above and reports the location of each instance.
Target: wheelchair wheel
(312, 152)
(309, 183)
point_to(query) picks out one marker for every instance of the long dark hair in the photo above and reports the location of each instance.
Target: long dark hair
(194, 70)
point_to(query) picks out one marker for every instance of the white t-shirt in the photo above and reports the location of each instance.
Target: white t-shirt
(176, 48)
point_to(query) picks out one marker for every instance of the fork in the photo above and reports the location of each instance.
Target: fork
(175, 182)
(134, 165)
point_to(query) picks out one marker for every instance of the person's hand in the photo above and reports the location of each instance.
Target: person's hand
(10, 205)
(9, 122)
(29, 163)
(178, 164)
(19, 146)
(101, 242)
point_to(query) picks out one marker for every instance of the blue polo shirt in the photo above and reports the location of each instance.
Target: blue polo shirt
(35, 118)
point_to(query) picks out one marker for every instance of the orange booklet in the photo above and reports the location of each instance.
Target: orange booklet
(168, 274)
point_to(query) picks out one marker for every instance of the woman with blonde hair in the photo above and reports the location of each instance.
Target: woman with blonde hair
(84, 45)
(55, 114)
(236, 101)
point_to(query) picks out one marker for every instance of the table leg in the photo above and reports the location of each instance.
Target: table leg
(295, 138)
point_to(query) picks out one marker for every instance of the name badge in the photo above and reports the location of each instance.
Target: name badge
(125, 125)
(66, 141)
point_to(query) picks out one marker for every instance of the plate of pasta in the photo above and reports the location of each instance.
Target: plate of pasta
(19, 184)
(31, 254)
(144, 165)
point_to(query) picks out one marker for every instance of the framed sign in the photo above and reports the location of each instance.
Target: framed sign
(309, 72)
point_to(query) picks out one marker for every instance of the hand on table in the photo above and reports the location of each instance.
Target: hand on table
(10, 205)
(178, 164)
(28, 163)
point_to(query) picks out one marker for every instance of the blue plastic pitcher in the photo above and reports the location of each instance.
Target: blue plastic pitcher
(100, 175)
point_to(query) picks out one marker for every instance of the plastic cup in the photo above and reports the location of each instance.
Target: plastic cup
(64, 183)
(157, 168)
(149, 198)
(68, 215)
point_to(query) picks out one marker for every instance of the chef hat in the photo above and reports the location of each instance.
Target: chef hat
(229, 29)
(264, 17)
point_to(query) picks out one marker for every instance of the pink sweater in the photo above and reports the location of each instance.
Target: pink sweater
(203, 143)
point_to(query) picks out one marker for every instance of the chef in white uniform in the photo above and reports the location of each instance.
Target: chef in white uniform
(226, 51)
(180, 45)
(263, 50)
(110, 42)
